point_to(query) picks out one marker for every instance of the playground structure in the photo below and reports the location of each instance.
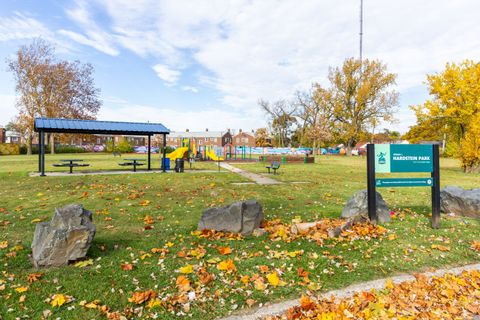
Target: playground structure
(239, 153)
(189, 150)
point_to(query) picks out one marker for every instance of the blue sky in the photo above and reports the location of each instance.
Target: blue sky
(204, 64)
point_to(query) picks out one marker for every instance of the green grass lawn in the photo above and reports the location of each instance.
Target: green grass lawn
(98, 162)
(176, 201)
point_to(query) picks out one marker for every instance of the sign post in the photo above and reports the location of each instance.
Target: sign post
(387, 158)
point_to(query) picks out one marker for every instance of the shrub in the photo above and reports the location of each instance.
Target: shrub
(9, 148)
(58, 149)
(124, 146)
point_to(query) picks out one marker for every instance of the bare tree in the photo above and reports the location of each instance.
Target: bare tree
(315, 116)
(49, 87)
(282, 114)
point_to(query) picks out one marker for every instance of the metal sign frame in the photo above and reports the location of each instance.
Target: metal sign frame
(435, 186)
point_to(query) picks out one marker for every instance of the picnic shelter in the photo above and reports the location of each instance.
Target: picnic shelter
(76, 126)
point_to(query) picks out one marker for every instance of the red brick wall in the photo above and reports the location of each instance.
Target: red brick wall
(244, 139)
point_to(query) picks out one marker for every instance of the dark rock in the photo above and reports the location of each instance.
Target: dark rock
(66, 238)
(358, 205)
(239, 217)
(462, 202)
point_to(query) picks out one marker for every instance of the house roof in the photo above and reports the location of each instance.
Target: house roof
(98, 127)
(197, 134)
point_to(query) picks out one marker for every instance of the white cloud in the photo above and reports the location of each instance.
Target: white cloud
(94, 36)
(248, 50)
(176, 119)
(190, 88)
(19, 27)
(168, 75)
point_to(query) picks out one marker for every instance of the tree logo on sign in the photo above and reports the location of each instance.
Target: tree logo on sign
(381, 158)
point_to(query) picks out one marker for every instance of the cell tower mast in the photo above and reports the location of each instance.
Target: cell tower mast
(361, 30)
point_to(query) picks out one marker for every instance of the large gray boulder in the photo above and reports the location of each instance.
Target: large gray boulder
(357, 205)
(462, 202)
(239, 217)
(66, 238)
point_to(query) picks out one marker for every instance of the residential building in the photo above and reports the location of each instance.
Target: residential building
(244, 138)
(2, 134)
(13, 137)
(200, 138)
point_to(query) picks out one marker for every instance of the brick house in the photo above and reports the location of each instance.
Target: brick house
(201, 138)
(2, 135)
(244, 138)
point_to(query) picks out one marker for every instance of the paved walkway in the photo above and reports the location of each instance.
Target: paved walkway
(282, 307)
(257, 178)
(94, 173)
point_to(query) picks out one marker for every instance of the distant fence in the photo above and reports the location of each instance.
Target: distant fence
(9, 148)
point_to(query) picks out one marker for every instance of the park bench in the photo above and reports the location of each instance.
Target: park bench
(273, 166)
(71, 165)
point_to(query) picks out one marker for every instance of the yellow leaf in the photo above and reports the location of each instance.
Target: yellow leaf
(58, 300)
(226, 265)
(3, 244)
(92, 305)
(273, 279)
(21, 289)
(186, 269)
(36, 220)
(84, 263)
(169, 244)
(153, 303)
(389, 284)
(213, 260)
(259, 284)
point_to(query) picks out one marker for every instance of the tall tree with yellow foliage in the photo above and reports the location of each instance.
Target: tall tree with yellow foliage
(360, 95)
(455, 104)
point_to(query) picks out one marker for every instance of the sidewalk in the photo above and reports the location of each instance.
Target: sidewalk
(282, 307)
(259, 179)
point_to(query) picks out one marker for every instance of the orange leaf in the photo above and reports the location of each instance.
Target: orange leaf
(127, 267)
(224, 250)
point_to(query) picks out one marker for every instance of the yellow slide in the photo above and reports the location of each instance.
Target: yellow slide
(178, 153)
(212, 155)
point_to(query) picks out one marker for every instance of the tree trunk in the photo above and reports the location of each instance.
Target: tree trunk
(52, 143)
(29, 144)
(473, 168)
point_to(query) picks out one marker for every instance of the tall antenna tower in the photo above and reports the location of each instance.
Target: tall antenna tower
(361, 30)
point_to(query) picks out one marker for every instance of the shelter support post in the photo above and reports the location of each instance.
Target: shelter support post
(371, 188)
(164, 156)
(149, 152)
(39, 155)
(42, 153)
(436, 188)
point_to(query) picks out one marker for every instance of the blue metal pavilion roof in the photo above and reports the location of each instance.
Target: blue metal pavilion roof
(98, 127)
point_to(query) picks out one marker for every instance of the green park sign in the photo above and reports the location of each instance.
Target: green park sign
(403, 158)
(404, 182)
(389, 158)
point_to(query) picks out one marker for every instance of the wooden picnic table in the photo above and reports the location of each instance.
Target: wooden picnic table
(133, 162)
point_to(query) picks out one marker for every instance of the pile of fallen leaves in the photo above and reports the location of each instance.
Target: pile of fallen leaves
(279, 230)
(447, 297)
(216, 235)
